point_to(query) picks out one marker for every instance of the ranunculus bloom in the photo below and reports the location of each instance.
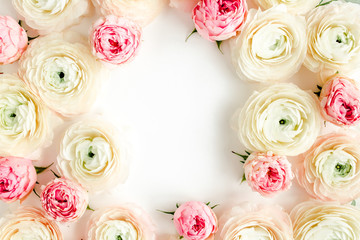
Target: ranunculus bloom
(17, 178)
(28, 223)
(293, 6)
(340, 101)
(64, 200)
(330, 170)
(267, 173)
(315, 220)
(195, 221)
(124, 222)
(185, 5)
(218, 20)
(115, 40)
(13, 40)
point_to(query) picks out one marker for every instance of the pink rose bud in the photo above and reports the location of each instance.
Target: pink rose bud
(17, 178)
(64, 200)
(13, 40)
(218, 20)
(115, 40)
(267, 173)
(340, 101)
(195, 221)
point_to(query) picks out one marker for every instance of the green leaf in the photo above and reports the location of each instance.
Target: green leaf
(55, 174)
(170, 213)
(181, 237)
(20, 23)
(41, 169)
(353, 203)
(245, 157)
(89, 208)
(323, 3)
(207, 204)
(194, 31)
(215, 206)
(32, 38)
(218, 43)
(36, 192)
(243, 178)
(177, 205)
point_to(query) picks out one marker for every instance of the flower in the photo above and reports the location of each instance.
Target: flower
(293, 6)
(24, 120)
(17, 178)
(340, 101)
(28, 223)
(65, 75)
(330, 170)
(271, 47)
(185, 5)
(195, 221)
(281, 118)
(267, 173)
(251, 221)
(333, 33)
(122, 222)
(314, 220)
(13, 40)
(92, 154)
(139, 11)
(64, 200)
(115, 40)
(217, 20)
(52, 15)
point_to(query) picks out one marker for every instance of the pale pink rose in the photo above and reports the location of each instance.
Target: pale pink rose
(340, 101)
(267, 173)
(115, 40)
(184, 5)
(13, 40)
(195, 221)
(17, 178)
(218, 20)
(64, 200)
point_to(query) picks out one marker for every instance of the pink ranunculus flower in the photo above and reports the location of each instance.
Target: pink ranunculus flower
(218, 20)
(267, 173)
(340, 101)
(115, 40)
(17, 178)
(64, 200)
(184, 5)
(13, 40)
(195, 221)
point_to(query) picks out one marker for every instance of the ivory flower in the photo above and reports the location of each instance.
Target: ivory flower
(271, 47)
(92, 154)
(281, 118)
(330, 170)
(65, 75)
(293, 6)
(51, 15)
(185, 5)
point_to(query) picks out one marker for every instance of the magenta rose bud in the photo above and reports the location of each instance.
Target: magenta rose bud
(195, 221)
(218, 20)
(340, 101)
(13, 40)
(17, 178)
(267, 173)
(64, 200)
(115, 40)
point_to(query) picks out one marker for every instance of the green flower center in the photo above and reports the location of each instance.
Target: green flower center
(343, 169)
(61, 76)
(118, 237)
(12, 115)
(282, 122)
(90, 153)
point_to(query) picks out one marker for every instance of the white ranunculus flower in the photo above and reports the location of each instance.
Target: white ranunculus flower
(293, 6)
(315, 220)
(282, 118)
(24, 119)
(48, 16)
(64, 74)
(271, 47)
(92, 154)
(333, 34)
(28, 223)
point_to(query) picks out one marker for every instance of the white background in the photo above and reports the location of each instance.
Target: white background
(173, 103)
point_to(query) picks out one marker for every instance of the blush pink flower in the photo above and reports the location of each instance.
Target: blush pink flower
(115, 40)
(218, 20)
(267, 173)
(64, 200)
(17, 178)
(340, 101)
(195, 221)
(13, 40)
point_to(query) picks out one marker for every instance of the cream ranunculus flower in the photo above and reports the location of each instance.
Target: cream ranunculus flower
(249, 221)
(64, 74)
(24, 119)
(28, 223)
(293, 6)
(333, 34)
(271, 47)
(315, 220)
(282, 118)
(48, 16)
(92, 154)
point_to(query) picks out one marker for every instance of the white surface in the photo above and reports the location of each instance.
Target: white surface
(175, 101)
